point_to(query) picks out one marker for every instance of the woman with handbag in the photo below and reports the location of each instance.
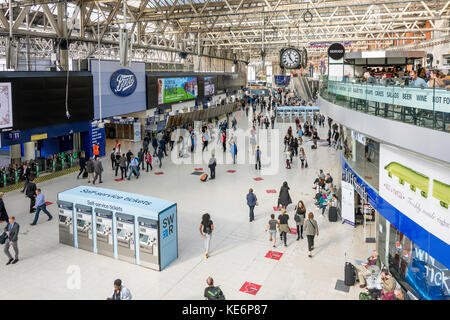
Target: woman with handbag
(302, 156)
(283, 225)
(252, 201)
(299, 218)
(206, 229)
(311, 230)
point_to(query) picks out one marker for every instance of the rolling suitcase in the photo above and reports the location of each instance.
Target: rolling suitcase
(332, 214)
(204, 177)
(350, 278)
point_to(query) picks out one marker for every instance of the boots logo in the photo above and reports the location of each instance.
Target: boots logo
(123, 82)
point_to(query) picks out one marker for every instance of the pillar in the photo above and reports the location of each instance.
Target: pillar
(15, 151)
(353, 149)
(29, 151)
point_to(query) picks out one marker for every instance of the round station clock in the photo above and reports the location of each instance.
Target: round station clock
(290, 58)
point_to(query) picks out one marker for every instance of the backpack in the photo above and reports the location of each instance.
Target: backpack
(214, 293)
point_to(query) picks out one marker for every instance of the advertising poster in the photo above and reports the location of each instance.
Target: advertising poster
(6, 119)
(137, 131)
(418, 188)
(209, 86)
(282, 81)
(348, 203)
(177, 89)
(97, 135)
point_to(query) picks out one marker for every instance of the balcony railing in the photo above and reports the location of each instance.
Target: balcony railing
(422, 106)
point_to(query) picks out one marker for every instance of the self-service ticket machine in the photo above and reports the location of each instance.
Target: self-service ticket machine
(65, 215)
(104, 229)
(125, 237)
(148, 243)
(84, 227)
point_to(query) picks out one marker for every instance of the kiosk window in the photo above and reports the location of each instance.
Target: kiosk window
(100, 228)
(144, 238)
(121, 233)
(80, 223)
(62, 218)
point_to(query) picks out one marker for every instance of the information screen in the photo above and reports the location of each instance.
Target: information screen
(209, 86)
(177, 89)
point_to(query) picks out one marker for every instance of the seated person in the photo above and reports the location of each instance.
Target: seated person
(328, 178)
(363, 271)
(388, 285)
(320, 174)
(399, 295)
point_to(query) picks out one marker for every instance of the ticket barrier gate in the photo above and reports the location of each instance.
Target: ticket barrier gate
(125, 237)
(84, 227)
(65, 215)
(148, 243)
(104, 232)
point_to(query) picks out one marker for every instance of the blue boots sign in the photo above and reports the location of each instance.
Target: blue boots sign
(123, 82)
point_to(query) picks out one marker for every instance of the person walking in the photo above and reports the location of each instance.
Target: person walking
(117, 155)
(12, 233)
(206, 229)
(160, 156)
(129, 154)
(40, 205)
(31, 193)
(212, 166)
(284, 198)
(283, 225)
(90, 169)
(82, 166)
(113, 158)
(134, 167)
(98, 168)
(3, 214)
(26, 171)
(302, 156)
(120, 292)
(123, 166)
(258, 159)
(311, 230)
(148, 160)
(233, 150)
(299, 218)
(141, 158)
(145, 144)
(213, 292)
(272, 226)
(205, 140)
(154, 145)
(252, 201)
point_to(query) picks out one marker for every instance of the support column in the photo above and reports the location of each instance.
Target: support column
(198, 53)
(353, 149)
(29, 151)
(15, 151)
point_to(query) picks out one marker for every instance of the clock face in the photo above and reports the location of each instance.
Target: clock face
(290, 58)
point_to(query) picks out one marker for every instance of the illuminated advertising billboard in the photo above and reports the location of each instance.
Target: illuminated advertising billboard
(209, 86)
(177, 89)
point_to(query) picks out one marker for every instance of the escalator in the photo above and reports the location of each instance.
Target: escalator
(307, 88)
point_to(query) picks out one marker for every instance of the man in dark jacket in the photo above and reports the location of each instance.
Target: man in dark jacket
(160, 156)
(129, 153)
(12, 231)
(31, 193)
(141, 155)
(212, 166)
(154, 145)
(25, 175)
(251, 202)
(90, 169)
(82, 166)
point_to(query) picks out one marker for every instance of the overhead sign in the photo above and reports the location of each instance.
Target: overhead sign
(336, 51)
(6, 119)
(123, 82)
(428, 99)
(419, 188)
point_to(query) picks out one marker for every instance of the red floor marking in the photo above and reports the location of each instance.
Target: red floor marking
(198, 169)
(119, 179)
(231, 171)
(293, 231)
(250, 288)
(258, 179)
(48, 203)
(271, 191)
(276, 209)
(367, 177)
(158, 173)
(274, 255)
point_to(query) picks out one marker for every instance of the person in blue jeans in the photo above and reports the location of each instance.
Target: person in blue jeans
(134, 167)
(40, 205)
(251, 202)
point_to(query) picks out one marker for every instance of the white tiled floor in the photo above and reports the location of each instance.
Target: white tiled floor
(238, 247)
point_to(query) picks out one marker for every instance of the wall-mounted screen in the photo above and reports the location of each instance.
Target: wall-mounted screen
(209, 86)
(282, 81)
(6, 119)
(177, 89)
